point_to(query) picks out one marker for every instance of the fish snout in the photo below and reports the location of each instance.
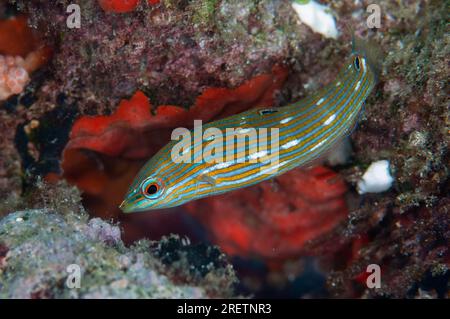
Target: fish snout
(125, 207)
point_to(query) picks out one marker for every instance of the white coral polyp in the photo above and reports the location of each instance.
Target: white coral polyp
(13, 76)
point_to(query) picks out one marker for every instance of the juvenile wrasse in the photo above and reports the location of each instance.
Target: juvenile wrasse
(307, 129)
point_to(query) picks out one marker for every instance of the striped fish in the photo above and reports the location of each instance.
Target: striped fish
(307, 129)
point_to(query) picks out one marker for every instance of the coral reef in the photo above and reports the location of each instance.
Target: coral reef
(411, 249)
(171, 51)
(21, 53)
(407, 231)
(37, 247)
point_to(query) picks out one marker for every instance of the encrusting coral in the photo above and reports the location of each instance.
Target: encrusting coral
(13, 76)
(21, 53)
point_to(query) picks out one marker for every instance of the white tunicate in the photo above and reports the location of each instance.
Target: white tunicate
(376, 179)
(318, 17)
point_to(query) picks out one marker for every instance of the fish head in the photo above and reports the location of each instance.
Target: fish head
(155, 188)
(370, 54)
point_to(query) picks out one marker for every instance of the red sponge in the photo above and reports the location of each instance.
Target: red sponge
(119, 6)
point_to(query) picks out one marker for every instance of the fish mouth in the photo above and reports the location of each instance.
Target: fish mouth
(123, 207)
(126, 207)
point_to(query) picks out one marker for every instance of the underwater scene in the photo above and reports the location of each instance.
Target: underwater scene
(198, 149)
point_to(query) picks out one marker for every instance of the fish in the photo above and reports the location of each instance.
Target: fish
(307, 129)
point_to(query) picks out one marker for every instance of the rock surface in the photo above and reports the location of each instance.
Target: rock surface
(38, 247)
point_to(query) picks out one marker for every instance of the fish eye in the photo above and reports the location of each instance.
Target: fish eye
(356, 62)
(152, 188)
